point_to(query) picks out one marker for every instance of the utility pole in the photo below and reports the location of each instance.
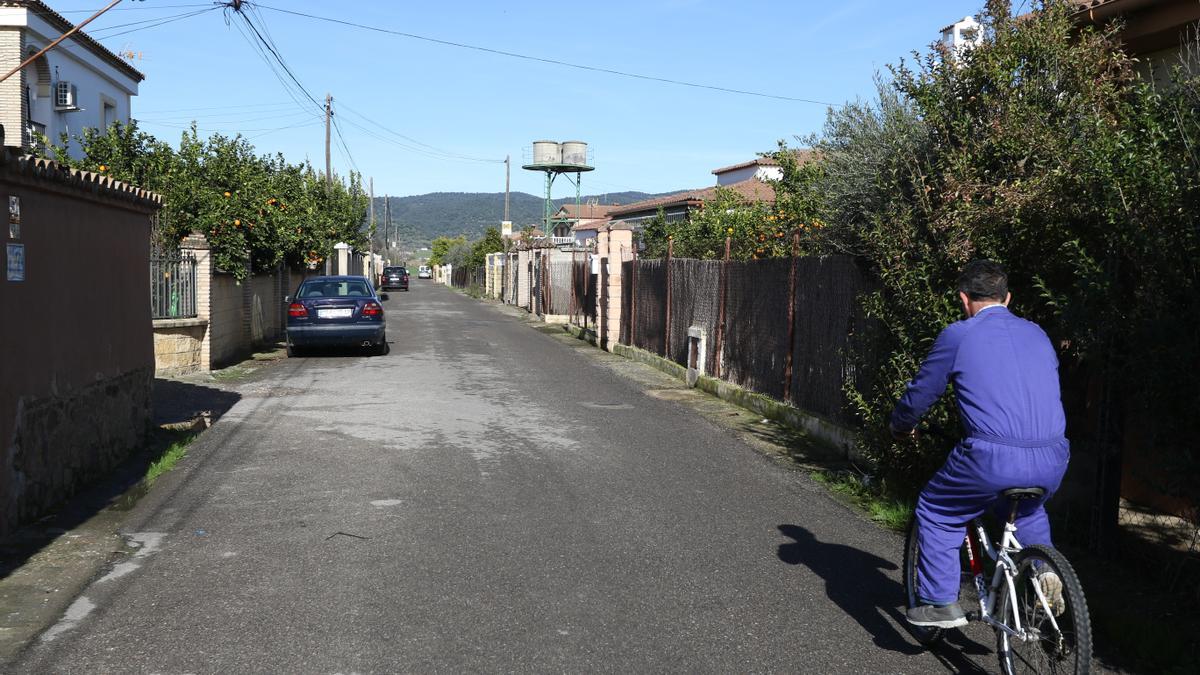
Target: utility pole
(328, 163)
(507, 175)
(371, 219)
(387, 223)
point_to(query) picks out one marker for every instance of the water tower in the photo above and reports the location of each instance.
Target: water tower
(556, 159)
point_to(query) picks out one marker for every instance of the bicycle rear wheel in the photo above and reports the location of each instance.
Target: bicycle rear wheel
(1063, 645)
(927, 636)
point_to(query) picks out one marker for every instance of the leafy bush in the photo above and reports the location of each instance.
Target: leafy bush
(253, 209)
(1043, 149)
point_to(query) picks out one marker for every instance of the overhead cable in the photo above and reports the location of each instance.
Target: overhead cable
(500, 52)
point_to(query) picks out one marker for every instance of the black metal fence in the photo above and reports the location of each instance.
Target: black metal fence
(173, 286)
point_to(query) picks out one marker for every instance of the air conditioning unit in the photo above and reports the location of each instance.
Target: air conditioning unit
(66, 97)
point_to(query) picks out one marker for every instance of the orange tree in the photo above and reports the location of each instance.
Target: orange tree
(755, 228)
(257, 211)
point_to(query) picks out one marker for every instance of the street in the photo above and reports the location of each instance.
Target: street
(487, 497)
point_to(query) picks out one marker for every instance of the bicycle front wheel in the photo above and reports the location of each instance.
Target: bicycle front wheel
(1057, 637)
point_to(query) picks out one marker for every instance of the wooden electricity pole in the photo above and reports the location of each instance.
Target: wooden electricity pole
(371, 220)
(387, 224)
(507, 172)
(328, 162)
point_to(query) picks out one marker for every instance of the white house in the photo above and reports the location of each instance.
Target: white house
(76, 85)
(962, 34)
(762, 168)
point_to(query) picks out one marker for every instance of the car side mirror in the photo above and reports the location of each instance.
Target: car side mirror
(287, 298)
(383, 296)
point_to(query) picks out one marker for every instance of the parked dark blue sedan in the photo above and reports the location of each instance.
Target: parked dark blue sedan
(336, 311)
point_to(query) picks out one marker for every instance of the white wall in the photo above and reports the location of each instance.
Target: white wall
(763, 173)
(97, 80)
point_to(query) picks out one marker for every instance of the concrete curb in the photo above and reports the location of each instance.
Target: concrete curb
(841, 440)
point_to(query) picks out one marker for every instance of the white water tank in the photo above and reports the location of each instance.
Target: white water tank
(547, 152)
(574, 153)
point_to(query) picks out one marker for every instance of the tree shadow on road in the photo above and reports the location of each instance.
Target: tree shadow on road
(858, 583)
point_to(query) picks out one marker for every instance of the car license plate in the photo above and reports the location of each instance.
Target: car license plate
(334, 313)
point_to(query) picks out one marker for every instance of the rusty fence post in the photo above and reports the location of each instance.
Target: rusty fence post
(667, 313)
(719, 342)
(791, 314)
(547, 292)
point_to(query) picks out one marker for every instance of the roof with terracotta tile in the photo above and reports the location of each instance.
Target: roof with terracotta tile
(752, 190)
(802, 155)
(590, 225)
(586, 211)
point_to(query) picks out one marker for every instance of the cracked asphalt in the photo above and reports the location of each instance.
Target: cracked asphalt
(489, 497)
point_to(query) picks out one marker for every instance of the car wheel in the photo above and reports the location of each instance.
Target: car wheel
(293, 351)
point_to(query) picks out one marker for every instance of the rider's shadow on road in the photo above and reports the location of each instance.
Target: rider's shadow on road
(857, 582)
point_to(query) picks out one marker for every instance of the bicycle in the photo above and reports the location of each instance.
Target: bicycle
(1031, 636)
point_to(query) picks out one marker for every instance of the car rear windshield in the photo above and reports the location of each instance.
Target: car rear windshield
(334, 289)
(395, 270)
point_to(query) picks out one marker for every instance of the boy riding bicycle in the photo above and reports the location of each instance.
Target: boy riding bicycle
(1005, 376)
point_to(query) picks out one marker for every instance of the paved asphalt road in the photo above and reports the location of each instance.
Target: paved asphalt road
(486, 498)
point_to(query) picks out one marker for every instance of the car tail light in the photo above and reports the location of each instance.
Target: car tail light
(372, 309)
(297, 310)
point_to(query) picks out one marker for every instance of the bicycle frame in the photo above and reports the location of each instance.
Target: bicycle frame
(1002, 577)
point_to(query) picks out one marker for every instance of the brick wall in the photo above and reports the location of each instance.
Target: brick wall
(12, 99)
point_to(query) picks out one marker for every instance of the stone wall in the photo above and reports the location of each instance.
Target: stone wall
(179, 346)
(63, 442)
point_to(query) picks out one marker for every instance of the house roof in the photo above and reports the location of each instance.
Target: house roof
(752, 190)
(801, 155)
(60, 23)
(586, 211)
(590, 225)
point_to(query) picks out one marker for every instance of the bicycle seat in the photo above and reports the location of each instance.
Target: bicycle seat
(1018, 494)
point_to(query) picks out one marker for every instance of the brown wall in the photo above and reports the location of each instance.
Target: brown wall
(76, 349)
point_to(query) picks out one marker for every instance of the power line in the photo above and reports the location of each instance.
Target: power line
(281, 104)
(488, 50)
(274, 52)
(160, 21)
(430, 148)
(278, 115)
(130, 9)
(342, 142)
(418, 150)
(185, 127)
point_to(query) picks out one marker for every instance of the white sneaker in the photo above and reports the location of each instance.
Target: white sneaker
(1052, 588)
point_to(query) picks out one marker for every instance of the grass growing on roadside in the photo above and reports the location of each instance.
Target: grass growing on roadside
(168, 458)
(892, 513)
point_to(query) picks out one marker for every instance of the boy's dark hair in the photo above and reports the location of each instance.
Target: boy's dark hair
(984, 280)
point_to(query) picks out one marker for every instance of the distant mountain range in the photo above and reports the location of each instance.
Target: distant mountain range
(418, 219)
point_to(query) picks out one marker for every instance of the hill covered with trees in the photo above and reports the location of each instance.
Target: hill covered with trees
(419, 219)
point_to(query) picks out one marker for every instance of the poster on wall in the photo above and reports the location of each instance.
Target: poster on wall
(16, 262)
(14, 217)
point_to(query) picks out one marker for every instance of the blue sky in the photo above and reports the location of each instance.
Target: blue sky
(452, 102)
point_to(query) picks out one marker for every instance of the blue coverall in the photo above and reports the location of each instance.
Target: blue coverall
(1005, 376)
